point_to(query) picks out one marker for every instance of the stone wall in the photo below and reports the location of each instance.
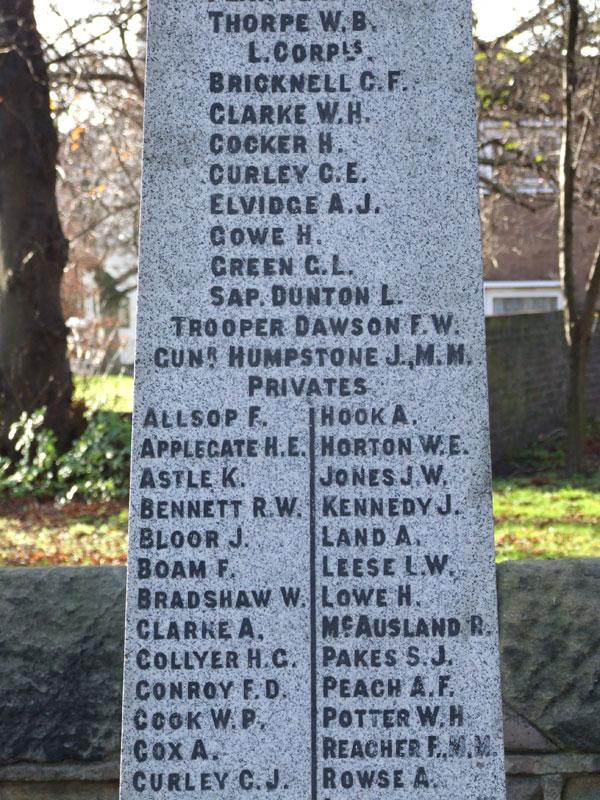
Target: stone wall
(527, 373)
(550, 658)
(61, 645)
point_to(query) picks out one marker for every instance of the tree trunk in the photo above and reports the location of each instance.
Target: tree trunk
(576, 405)
(574, 336)
(34, 370)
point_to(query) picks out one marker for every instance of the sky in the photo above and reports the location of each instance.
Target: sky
(495, 16)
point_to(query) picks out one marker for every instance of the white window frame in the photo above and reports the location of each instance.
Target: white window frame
(520, 289)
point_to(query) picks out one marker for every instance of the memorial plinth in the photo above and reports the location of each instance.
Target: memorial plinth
(311, 605)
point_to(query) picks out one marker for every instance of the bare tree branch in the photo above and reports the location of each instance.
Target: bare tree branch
(78, 48)
(137, 81)
(498, 188)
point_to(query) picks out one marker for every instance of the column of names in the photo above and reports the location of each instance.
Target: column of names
(311, 610)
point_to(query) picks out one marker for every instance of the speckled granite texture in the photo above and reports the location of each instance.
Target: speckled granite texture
(311, 602)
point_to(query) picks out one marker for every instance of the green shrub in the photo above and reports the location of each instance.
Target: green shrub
(34, 471)
(96, 466)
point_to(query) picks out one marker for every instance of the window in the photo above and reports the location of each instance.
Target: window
(524, 305)
(522, 297)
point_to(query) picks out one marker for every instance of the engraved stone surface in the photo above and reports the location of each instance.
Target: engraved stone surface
(61, 657)
(311, 597)
(550, 676)
(520, 736)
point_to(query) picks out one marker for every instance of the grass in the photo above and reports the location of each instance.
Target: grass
(537, 511)
(545, 516)
(112, 392)
(43, 535)
(536, 517)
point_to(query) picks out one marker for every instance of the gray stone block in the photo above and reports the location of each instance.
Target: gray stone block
(523, 788)
(70, 790)
(583, 789)
(521, 737)
(61, 660)
(550, 648)
(553, 786)
(408, 227)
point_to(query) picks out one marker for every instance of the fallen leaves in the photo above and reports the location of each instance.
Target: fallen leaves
(77, 534)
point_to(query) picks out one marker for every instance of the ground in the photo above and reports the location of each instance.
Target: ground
(542, 517)
(43, 534)
(536, 517)
(538, 513)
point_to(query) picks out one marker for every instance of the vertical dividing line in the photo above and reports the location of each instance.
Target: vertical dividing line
(313, 605)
